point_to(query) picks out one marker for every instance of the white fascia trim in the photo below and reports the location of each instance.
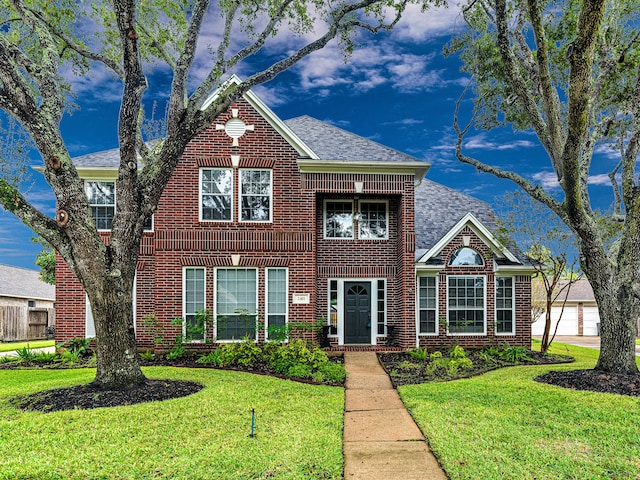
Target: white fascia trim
(479, 229)
(514, 269)
(98, 173)
(255, 101)
(422, 268)
(417, 169)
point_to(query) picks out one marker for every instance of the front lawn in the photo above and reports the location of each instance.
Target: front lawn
(504, 425)
(298, 430)
(9, 346)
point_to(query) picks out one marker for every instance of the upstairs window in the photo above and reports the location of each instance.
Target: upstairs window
(255, 195)
(338, 219)
(102, 200)
(373, 221)
(216, 194)
(466, 257)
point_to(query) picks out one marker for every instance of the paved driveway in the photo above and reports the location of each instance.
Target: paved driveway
(590, 342)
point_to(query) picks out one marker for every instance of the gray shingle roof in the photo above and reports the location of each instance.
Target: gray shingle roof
(439, 208)
(333, 143)
(24, 283)
(104, 159)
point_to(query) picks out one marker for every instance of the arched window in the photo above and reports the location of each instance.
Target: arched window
(466, 257)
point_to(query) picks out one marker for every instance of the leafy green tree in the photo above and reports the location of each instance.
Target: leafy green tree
(40, 40)
(569, 72)
(46, 260)
(550, 247)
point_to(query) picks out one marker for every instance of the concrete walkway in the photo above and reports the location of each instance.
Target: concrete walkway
(14, 353)
(381, 440)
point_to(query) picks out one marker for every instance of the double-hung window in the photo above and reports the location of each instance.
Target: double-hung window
(102, 200)
(504, 305)
(427, 305)
(216, 194)
(466, 304)
(276, 311)
(193, 328)
(236, 303)
(255, 195)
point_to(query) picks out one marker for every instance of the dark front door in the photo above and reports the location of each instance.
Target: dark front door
(357, 312)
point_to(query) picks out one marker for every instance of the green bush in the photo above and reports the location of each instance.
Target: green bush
(300, 370)
(148, 355)
(175, 353)
(78, 345)
(44, 357)
(25, 354)
(330, 372)
(457, 352)
(419, 353)
(296, 352)
(514, 354)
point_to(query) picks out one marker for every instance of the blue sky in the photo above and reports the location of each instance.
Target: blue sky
(396, 89)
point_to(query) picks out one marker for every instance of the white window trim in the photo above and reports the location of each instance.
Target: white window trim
(240, 195)
(484, 307)
(115, 201)
(184, 302)
(266, 299)
(436, 333)
(386, 208)
(324, 219)
(115, 196)
(386, 305)
(513, 307)
(215, 302)
(200, 219)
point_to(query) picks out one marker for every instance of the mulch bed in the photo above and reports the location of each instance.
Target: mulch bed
(89, 396)
(405, 370)
(595, 381)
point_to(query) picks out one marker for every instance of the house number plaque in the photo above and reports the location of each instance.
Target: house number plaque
(301, 298)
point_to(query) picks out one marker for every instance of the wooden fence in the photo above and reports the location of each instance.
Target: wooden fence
(24, 323)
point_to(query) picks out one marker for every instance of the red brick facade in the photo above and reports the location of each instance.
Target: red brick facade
(294, 239)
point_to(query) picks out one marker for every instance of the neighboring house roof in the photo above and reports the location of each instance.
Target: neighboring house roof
(579, 292)
(24, 283)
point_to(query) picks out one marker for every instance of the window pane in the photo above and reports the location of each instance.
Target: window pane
(504, 305)
(373, 220)
(255, 193)
(466, 256)
(216, 194)
(339, 220)
(276, 302)
(466, 304)
(236, 300)
(102, 200)
(428, 302)
(194, 305)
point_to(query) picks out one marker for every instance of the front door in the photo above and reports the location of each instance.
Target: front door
(357, 312)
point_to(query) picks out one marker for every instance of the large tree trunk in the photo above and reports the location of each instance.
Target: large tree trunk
(118, 362)
(619, 309)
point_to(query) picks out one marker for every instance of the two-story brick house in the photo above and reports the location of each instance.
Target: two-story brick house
(267, 223)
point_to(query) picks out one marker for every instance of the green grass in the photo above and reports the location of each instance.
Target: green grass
(503, 425)
(202, 436)
(9, 346)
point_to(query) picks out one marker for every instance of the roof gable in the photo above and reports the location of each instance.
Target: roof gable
(469, 220)
(281, 127)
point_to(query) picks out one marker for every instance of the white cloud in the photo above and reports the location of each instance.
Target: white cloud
(546, 179)
(420, 26)
(481, 142)
(601, 179)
